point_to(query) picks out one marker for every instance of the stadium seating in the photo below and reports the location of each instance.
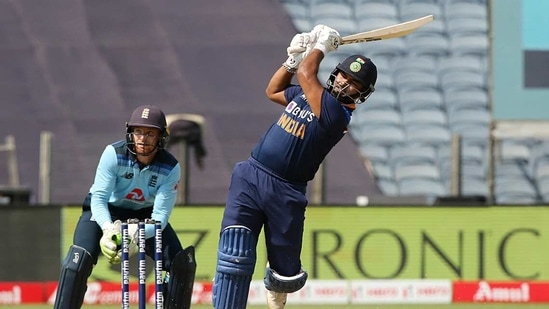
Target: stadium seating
(457, 63)
(366, 9)
(387, 49)
(462, 81)
(474, 187)
(428, 187)
(382, 171)
(466, 26)
(415, 80)
(346, 25)
(330, 9)
(424, 117)
(411, 63)
(436, 27)
(428, 134)
(377, 134)
(389, 187)
(472, 98)
(473, 45)
(465, 9)
(297, 9)
(375, 153)
(515, 190)
(431, 45)
(412, 10)
(410, 154)
(433, 84)
(423, 99)
(385, 98)
(417, 172)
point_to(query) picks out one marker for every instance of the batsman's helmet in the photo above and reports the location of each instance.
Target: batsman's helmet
(148, 116)
(359, 68)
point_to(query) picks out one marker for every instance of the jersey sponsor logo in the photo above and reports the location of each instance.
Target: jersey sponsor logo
(298, 112)
(136, 195)
(291, 124)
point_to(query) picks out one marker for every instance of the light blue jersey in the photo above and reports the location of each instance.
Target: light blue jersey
(121, 182)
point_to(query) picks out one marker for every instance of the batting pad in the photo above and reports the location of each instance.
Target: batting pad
(236, 259)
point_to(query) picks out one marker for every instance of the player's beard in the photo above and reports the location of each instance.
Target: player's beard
(340, 92)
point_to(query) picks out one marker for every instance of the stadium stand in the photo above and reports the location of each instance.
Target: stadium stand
(437, 80)
(446, 62)
(78, 69)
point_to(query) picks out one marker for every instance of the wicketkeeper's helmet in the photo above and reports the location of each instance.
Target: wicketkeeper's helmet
(148, 116)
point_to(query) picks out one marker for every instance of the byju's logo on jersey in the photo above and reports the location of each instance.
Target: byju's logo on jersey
(294, 123)
(290, 106)
(299, 112)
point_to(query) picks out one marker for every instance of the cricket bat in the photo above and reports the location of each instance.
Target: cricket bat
(388, 32)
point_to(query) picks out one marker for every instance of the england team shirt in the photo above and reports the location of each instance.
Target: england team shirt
(120, 182)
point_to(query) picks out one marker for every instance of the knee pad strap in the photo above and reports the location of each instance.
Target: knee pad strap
(281, 284)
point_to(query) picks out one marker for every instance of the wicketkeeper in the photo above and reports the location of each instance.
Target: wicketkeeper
(136, 178)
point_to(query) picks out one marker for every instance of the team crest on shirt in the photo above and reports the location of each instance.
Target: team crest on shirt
(153, 180)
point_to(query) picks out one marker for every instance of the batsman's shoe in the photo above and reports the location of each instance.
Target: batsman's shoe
(276, 300)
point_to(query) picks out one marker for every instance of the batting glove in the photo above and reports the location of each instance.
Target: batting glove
(299, 43)
(328, 40)
(297, 50)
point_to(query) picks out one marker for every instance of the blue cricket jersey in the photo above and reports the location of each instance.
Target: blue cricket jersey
(120, 182)
(295, 145)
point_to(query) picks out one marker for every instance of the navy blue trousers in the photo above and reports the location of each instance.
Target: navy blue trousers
(259, 199)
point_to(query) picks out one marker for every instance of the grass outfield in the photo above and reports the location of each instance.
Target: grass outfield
(290, 306)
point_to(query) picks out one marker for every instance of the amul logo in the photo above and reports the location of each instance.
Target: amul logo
(516, 293)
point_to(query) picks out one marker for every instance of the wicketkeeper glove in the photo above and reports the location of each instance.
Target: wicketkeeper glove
(111, 240)
(132, 246)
